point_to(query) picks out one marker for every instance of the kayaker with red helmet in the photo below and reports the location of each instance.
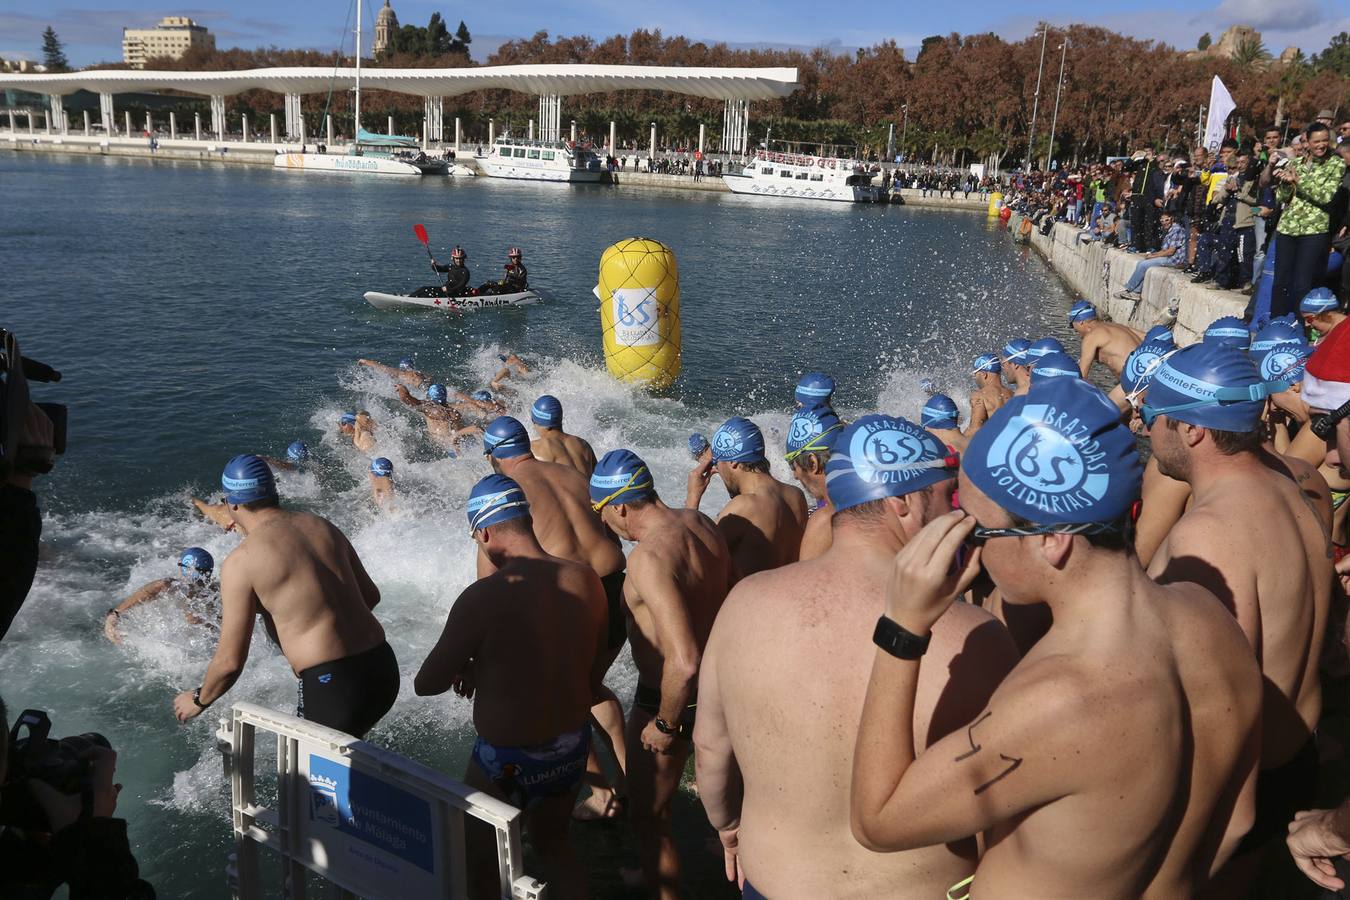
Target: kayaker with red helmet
(456, 274)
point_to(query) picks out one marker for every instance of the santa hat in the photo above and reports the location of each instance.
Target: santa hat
(1327, 384)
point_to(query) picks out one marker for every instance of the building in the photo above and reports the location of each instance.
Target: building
(386, 26)
(172, 37)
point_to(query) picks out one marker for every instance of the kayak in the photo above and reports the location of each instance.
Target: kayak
(486, 301)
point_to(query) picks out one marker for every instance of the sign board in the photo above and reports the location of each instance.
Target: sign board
(635, 314)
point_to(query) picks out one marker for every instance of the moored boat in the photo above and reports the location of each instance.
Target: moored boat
(796, 175)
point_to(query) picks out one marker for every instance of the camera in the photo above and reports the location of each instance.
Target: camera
(16, 371)
(63, 765)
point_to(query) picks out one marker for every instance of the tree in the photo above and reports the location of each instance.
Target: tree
(462, 38)
(1250, 52)
(53, 53)
(1336, 58)
(1204, 42)
(438, 36)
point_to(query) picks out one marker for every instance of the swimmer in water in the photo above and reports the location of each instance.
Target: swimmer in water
(814, 389)
(511, 365)
(555, 445)
(778, 795)
(302, 575)
(679, 574)
(1071, 741)
(297, 454)
(382, 483)
(1107, 343)
(527, 643)
(445, 424)
(363, 432)
(195, 595)
(810, 436)
(1211, 438)
(941, 417)
(989, 393)
(764, 521)
(406, 374)
(481, 405)
(1016, 365)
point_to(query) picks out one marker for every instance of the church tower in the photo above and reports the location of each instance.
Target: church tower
(386, 24)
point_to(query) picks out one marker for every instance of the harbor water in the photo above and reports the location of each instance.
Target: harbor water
(200, 312)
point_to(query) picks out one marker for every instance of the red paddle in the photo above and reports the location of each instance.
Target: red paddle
(420, 231)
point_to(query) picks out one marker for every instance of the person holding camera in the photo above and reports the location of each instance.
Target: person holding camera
(53, 832)
(1303, 238)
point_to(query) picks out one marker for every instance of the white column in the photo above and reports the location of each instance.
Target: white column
(47, 121)
(302, 131)
(293, 115)
(126, 116)
(613, 136)
(218, 116)
(149, 123)
(459, 133)
(12, 129)
(652, 152)
(106, 116)
(173, 126)
(492, 134)
(272, 125)
(531, 134)
(58, 111)
(197, 125)
(700, 137)
(31, 117)
(424, 132)
(86, 123)
(574, 131)
(243, 127)
(330, 129)
(391, 126)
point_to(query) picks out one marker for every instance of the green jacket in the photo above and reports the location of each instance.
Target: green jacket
(1308, 207)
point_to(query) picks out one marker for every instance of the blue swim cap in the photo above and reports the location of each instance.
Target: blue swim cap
(812, 429)
(1082, 311)
(1142, 364)
(348, 419)
(1044, 346)
(813, 388)
(1284, 330)
(986, 362)
(505, 438)
(196, 564)
(1057, 455)
(1160, 334)
(437, 393)
(884, 456)
(1053, 365)
(381, 467)
(1285, 362)
(939, 412)
(1209, 385)
(1015, 351)
(493, 500)
(406, 363)
(547, 411)
(482, 396)
(738, 440)
(1228, 331)
(297, 451)
(247, 478)
(1318, 300)
(697, 444)
(620, 477)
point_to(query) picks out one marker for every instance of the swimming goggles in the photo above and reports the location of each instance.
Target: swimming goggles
(1259, 391)
(980, 534)
(1324, 426)
(1146, 377)
(630, 484)
(813, 444)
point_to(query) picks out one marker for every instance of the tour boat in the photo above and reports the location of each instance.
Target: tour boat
(372, 154)
(540, 160)
(805, 176)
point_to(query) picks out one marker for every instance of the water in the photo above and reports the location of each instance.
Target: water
(198, 312)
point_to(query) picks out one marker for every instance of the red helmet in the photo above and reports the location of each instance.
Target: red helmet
(457, 253)
(513, 253)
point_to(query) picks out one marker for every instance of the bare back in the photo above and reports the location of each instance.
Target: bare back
(791, 658)
(312, 590)
(564, 522)
(952, 437)
(567, 449)
(763, 524)
(1110, 344)
(818, 534)
(688, 548)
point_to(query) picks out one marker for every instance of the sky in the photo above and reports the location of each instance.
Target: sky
(92, 29)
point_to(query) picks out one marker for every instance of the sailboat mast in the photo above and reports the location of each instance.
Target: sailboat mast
(358, 70)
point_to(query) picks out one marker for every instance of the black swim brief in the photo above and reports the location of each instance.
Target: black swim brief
(1281, 792)
(350, 694)
(648, 699)
(618, 626)
(748, 892)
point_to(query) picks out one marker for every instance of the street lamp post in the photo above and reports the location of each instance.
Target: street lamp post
(1036, 99)
(1054, 120)
(904, 131)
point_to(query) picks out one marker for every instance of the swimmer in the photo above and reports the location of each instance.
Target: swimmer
(1053, 365)
(679, 574)
(1321, 311)
(363, 432)
(788, 648)
(196, 596)
(941, 417)
(1228, 331)
(1016, 365)
(764, 520)
(989, 393)
(301, 574)
(297, 454)
(216, 512)
(555, 445)
(406, 374)
(810, 436)
(527, 644)
(568, 528)
(1113, 728)
(1105, 342)
(814, 389)
(481, 404)
(445, 425)
(382, 483)
(510, 364)
(1214, 443)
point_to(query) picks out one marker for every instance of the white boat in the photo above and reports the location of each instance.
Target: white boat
(540, 160)
(805, 176)
(486, 301)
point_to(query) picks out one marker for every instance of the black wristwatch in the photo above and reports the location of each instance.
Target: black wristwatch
(665, 727)
(197, 699)
(899, 641)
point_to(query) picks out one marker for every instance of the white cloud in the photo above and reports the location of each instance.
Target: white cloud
(1287, 15)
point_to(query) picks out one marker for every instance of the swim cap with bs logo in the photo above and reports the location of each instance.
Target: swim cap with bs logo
(812, 430)
(738, 440)
(884, 456)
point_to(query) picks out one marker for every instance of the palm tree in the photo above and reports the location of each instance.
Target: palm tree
(1250, 52)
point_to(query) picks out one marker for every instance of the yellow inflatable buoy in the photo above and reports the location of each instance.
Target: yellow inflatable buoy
(639, 293)
(995, 201)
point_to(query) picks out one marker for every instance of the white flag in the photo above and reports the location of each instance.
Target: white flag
(1220, 105)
